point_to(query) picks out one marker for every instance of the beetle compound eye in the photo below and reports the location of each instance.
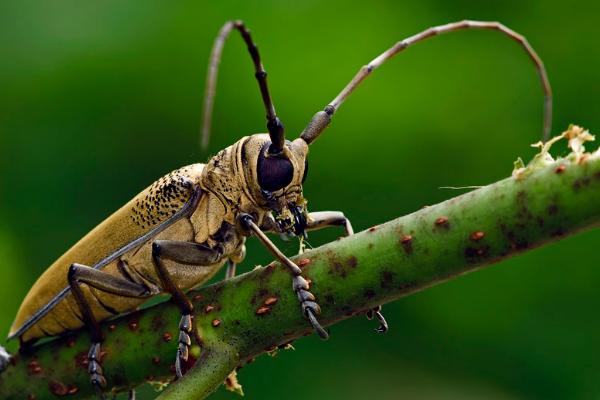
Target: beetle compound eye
(305, 170)
(273, 172)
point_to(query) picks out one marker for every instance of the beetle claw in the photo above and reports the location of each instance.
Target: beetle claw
(376, 313)
(310, 308)
(95, 370)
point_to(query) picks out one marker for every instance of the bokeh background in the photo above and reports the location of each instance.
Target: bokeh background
(98, 99)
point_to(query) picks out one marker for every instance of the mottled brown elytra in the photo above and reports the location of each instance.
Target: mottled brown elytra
(183, 228)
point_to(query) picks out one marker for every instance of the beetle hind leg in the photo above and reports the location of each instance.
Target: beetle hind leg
(81, 274)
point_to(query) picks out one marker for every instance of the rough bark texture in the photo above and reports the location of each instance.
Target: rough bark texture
(257, 311)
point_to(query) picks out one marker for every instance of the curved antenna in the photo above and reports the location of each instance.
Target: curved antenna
(274, 125)
(321, 119)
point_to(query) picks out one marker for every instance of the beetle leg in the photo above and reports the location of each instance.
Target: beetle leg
(79, 274)
(189, 253)
(310, 308)
(4, 358)
(230, 272)
(323, 219)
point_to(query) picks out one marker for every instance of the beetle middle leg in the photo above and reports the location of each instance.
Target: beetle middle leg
(323, 219)
(187, 253)
(94, 278)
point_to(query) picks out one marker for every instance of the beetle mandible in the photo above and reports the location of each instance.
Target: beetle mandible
(177, 233)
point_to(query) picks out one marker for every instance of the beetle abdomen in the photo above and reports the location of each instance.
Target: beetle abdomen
(154, 206)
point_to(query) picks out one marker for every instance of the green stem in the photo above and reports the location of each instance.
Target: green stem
(348, 276)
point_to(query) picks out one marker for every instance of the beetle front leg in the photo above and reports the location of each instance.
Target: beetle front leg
(79, 274)
(310, 309)
(324, 219)
(230, 271)
(188, 253)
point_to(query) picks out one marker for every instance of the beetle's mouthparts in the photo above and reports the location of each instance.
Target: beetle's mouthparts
(299, 220)
(292, 220)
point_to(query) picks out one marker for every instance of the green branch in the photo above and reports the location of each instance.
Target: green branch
(257, 311)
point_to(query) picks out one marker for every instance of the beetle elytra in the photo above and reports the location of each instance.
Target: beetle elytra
(177, 233)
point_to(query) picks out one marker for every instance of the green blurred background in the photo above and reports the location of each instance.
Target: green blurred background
(98, 99)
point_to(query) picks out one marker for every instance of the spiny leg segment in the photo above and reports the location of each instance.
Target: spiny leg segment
(79, 274)
(274, 125)
(321, 119)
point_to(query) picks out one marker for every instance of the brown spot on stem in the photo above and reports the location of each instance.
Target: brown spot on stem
(133, 325)
(339, 269)
(58, 388)
(270, 301)
(406, 242)
(373, 228)
(442, 221)
(70, 342)
(262, 310)
(112, 327)
(73, 389)
(197, 297)
(369, 293)
(581, 183)
(216, 322)
(553, 209)
(370, 246)
(81, 359)
(477, 236)
(352, 261)
(303, 262)
(167, 337)
(155, 360)
(386, 279)
(208, 308)
(34, 367)
(268, 270)
(476, 254)
(560, 169)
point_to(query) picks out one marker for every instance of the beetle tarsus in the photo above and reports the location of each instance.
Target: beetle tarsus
(310, 309)
(185, 341)
(376, 313)
(4, 358)
(95, 369)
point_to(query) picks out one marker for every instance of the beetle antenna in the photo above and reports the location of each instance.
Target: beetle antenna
(321, 119)
(274, 125)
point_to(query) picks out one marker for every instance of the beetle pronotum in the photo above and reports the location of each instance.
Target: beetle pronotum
(178, 232)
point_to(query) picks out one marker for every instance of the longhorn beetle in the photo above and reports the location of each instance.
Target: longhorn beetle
(178, 232)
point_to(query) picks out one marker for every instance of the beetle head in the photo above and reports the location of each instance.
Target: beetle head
(275, 180)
